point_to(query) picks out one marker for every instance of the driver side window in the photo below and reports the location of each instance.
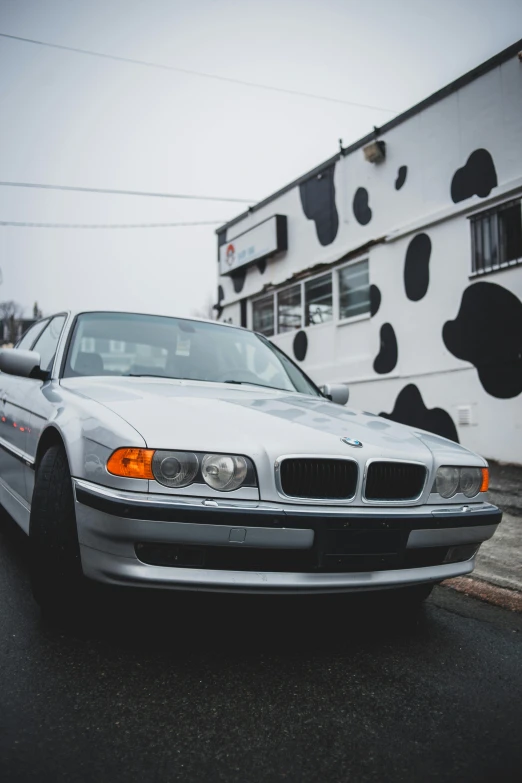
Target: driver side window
(47, 343)
(31, 335)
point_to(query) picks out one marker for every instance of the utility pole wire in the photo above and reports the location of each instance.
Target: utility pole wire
(201, 74)
(124, 192)
(108, 225)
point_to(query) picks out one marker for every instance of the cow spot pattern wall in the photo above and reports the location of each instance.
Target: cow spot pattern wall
(387, 357)
(401, 177)
(238, 278)
(417, 267)
(410, 409)
(375, 299)
(488, 333)
(318, 202)
(477, 177)
(300, 346)
(361, 207)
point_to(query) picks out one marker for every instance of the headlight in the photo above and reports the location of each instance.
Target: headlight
(222, 472)
(175, 468)
(447, 482)
(469, 481)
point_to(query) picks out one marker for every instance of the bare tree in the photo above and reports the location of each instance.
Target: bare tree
(10, 314)
(206, 310)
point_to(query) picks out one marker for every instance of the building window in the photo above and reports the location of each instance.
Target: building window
(289, 315)
(496, 238)
(318, 300)
(263, 316)
(354, 290)
(117, 346)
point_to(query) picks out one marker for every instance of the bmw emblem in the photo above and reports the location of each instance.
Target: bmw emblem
(352, 442)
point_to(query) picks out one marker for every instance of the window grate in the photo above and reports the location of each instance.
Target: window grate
(496, 238)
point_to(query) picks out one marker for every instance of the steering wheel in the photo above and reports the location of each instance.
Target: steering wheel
(237, 375)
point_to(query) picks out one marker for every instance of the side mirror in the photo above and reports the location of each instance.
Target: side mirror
(336, 392)
(26, 364)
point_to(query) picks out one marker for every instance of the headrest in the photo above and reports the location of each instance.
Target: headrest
(89, 364)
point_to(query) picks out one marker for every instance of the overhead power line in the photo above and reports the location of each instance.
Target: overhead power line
(201, 74)
(108, 225)
(148, 194)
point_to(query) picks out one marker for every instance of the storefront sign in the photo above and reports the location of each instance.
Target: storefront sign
(263, 240)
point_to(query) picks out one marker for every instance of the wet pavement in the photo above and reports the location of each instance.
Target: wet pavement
(222, 688)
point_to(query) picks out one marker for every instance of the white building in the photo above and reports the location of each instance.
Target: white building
(396, 266)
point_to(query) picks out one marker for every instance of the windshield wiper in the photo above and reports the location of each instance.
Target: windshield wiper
(202, 380)
(253, 383)
(150, 375)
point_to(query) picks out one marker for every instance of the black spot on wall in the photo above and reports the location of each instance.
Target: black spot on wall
(218, 307)
(477, 178)
(410, 409)
(361, 209)
(238, 279)
(222, 238)
(387, 357)
(300, 346)
(375, 299)
(401, 177)
(417, 267)
(318, 202)
(261, 265)
(488, 333)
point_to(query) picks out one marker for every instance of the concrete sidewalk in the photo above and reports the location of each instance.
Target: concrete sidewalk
(499, 561)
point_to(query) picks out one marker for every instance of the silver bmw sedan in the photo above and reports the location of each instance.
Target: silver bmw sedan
(176, 453)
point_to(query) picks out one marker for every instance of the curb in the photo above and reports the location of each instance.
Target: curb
(484, 591)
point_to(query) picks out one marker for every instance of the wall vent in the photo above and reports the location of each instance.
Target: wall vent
(464, 417)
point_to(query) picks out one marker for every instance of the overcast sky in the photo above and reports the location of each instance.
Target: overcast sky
(71, 119)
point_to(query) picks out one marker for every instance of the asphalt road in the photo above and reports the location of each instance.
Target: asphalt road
(253, 689)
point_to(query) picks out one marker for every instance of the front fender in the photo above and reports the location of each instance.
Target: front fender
(89, 431)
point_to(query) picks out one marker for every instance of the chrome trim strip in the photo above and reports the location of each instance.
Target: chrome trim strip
(15, 506)
(176, 501)
(450, 536)
(409, 502)
(139, 499)
(314, 501)
(23, 456)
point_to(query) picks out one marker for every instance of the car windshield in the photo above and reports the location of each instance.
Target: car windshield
(127, 344)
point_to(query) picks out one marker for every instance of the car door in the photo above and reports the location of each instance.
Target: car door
(39, 400)
(14, 421)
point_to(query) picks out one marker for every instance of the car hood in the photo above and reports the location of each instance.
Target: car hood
(259, 422)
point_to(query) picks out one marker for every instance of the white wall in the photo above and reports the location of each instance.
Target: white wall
(485, 114)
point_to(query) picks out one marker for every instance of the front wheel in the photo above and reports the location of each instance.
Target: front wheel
(57, 578)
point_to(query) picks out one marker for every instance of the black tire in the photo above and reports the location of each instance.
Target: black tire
(57, 580)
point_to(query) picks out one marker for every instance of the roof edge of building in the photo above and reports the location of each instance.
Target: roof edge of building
(450, 88)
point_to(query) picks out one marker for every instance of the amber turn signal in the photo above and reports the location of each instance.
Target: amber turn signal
(131, 463)
(485, 480)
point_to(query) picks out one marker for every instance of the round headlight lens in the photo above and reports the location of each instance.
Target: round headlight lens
(222, 472)
(175, 468)
(470, 481)
(447, 481)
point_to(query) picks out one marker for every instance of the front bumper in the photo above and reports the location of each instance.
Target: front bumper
(114, 525)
